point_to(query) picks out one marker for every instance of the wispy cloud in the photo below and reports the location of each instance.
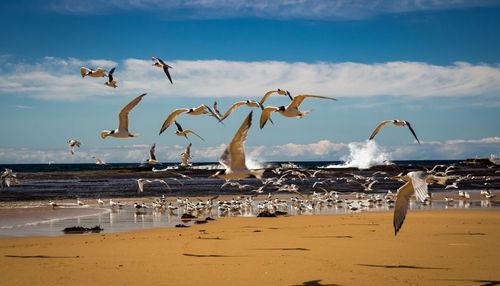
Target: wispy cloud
(272, 9)
(323, 150)
(24, 106)
(59, 79)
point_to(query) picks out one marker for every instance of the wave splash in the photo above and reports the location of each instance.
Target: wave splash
(363, 155)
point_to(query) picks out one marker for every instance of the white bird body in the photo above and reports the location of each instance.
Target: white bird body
(122, 130)
(152, 157)
(186, 156)
(233, 157)
(99, 72)
(292, 110)
(72, 144)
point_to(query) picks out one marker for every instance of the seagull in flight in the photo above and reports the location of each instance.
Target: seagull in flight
(142, 181)
(186, 156)
(278, 91)
(72, 144)
(249, 103)
(202, 109)
(99, 161)
(181, 132)
(233, 157)
(416, 182)
(157, 62)
(122, 130)
(111, 82)
(99, 72)
(152, 157)
(292, 110)
(395, 122)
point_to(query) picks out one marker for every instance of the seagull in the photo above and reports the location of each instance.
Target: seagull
(142, 181)
(111, 82)
(416, 183)
(292, 110)
(7, 178)
(152, 157)
(72, 144)
(278, 91)
(202, 109)
(395, 122)
(99, 162)
(233, 157)
(122, 131)
(181, 132)
(186, 156)
(99, 72)
(161, 64)
(249, 103)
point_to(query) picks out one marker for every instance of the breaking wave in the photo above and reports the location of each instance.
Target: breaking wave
(363, 155)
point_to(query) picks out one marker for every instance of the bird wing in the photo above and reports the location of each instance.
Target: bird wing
(379, 127)
(266, 115)
(158, 60)
(191, 131)
(123, 115)
(266, 96)
(297, 100)
(216, 110)
(152, 152)
(84, 71)
(110, 75)
(179, 127)
(165, 69)
(232, 108)
(418, 180)
(188, 149)
(412, 131)
(140, 184)
(402, 203)
(171, 118)
(236, 147)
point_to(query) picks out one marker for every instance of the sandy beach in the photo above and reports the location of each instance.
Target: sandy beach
(449, 247)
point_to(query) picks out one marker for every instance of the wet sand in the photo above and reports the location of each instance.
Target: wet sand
(449, 247)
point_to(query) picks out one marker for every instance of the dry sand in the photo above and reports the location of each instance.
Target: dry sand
(434, 248)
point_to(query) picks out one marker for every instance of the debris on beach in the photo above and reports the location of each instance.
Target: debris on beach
(81, 229)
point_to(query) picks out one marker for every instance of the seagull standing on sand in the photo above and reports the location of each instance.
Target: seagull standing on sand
(233, 157)
(292, 110)
(395, 122)
(186, 156)
(152, 157)
(202, 109)
(416, 183)
(122, 130)
(99, 72)
(181, 132)
(111, 82)
(72, 144)
(157, 62)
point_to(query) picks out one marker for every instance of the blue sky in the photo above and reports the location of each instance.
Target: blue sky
(433, 63)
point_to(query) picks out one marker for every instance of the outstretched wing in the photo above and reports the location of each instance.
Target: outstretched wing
(232, 108)
(179, 127)
(171, 118)
(379, 127)
(402, 203)
(191, 131)
(412, 131)
(110, 75)
(165, 69)
(418, 180)
(266, 115)
(297, 100)
(236, 147)
(123, 116)
(152, 152)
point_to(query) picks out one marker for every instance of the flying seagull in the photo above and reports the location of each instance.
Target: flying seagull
(72, 144)
(99, 72)
(122, 130)
(186, 156)
(111, 82)
(161, 64)
(395, 122)
(233, 157)
(182, 132)
(278, 91)
(416, 182)
(292, 110)
(249, 103)
(152, 157)
(202, 109)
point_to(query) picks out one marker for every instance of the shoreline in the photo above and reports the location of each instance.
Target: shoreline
(434, 247)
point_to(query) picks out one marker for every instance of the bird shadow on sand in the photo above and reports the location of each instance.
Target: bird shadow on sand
(480, 282)
(207, 255)
(39, 256)
(329, 236)
(284, 249)
(403, 267)
(315, 283)
(461, 233)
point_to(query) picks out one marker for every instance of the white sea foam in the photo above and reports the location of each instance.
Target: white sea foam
(363, 155)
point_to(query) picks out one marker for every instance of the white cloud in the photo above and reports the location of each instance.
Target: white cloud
(59, 79)
(273, 9)
(323, 150)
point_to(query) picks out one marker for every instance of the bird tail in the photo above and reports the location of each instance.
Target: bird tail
(257, 173)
